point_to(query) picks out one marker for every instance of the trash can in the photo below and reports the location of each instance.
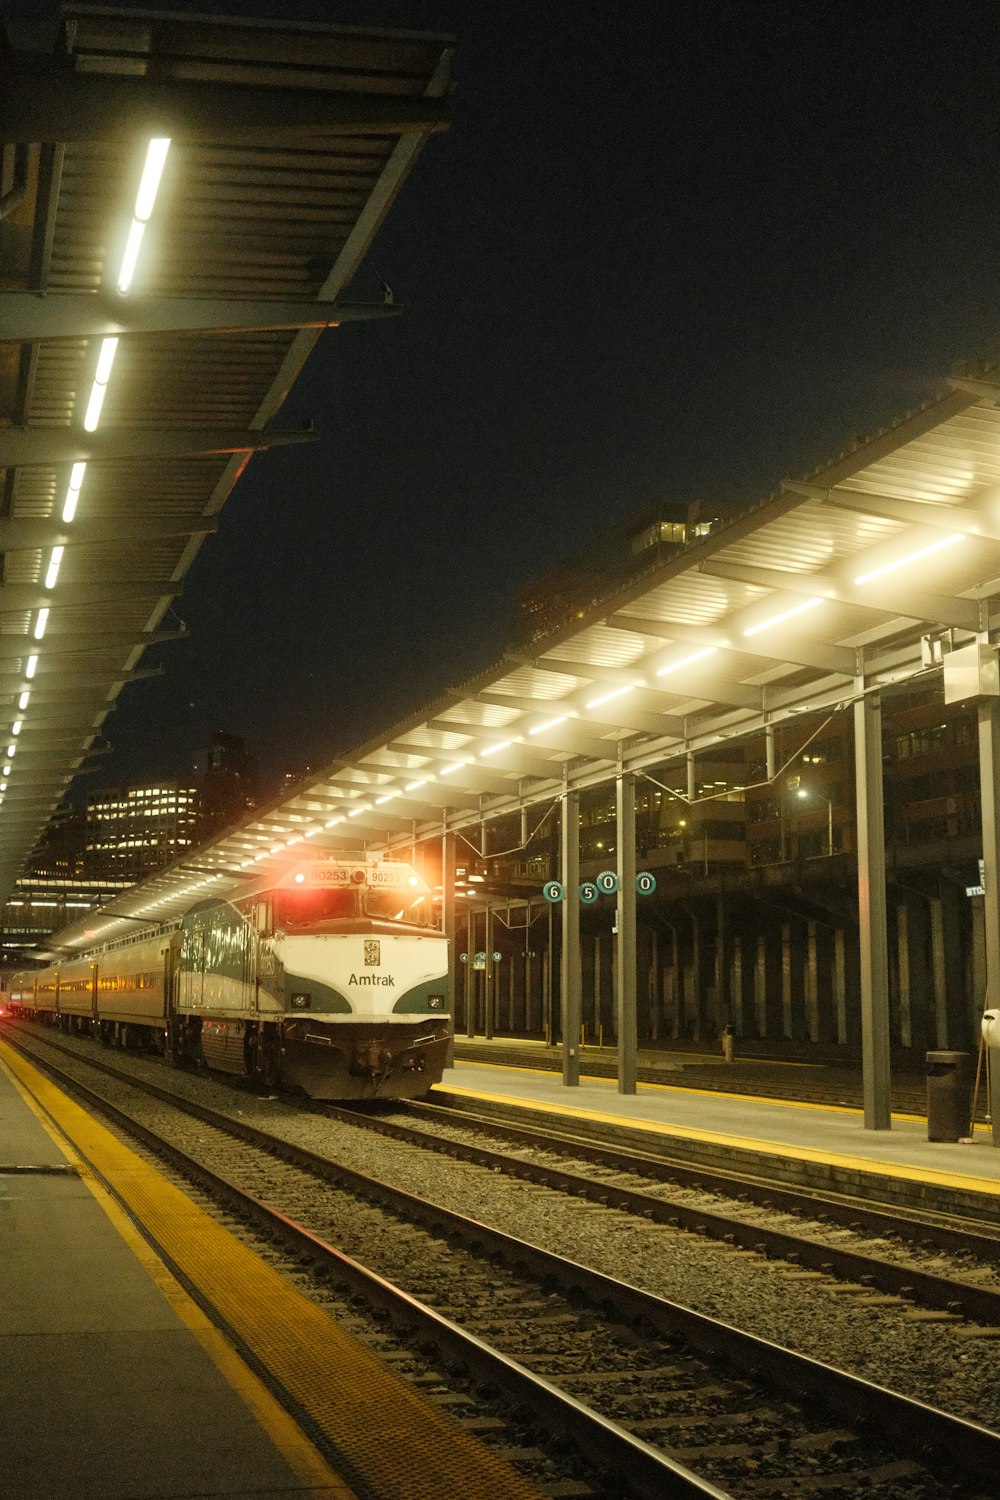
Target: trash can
(949, 1096)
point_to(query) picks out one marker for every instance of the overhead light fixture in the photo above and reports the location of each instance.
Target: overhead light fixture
(149, 186)
(381, 801)
(332, 823)
(686, 661)
(414, 786)
(24, 700)
(911, 557)
(41, 622)
(786, 614)
(55, 563)
(31, 667)
(549, 724)
(17, 726)
(356, 811)
(73, 492)
(609, 697)
(105, 364)
(456, 766)
(493, 749)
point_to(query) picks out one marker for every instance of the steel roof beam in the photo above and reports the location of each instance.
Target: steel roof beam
(43, 99)
(16, 597)
(628, 719)
(74, 644)
(736, 693)
(21, 535)
(968, 518)
(888, 599)
(42, 447)
(69, 684)
(793, 653)
(30, 316)
(564, 745)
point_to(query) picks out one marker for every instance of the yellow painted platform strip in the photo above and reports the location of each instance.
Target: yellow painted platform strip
(302, 1457)
(684, 1088)
(387, 1437)
(865, 1164)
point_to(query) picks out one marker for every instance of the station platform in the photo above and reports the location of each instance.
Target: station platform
(824, 1145)
(116, 1384)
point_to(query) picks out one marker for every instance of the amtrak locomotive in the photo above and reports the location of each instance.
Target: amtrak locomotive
(331, 979)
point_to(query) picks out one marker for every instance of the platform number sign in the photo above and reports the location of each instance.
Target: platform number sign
(552, 891)
(588, 893)
(607, 882)
(645, 883)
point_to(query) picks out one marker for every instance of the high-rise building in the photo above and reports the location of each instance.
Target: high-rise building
(132, 831)
(226, 780)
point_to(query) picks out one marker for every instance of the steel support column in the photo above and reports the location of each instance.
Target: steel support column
(625, 999)
(570, 975)
(875, 1079)
(448, 928)
(989, 793)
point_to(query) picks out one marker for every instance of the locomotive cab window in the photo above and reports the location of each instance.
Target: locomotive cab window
(305, 906)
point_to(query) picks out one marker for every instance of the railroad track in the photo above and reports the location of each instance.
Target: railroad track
(671, 1401)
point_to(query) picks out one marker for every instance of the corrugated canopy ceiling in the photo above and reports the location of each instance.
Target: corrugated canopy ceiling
(823, 591)
(183, 202)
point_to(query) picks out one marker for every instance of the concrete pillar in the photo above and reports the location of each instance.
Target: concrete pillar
(736, 983)
(760, 986)
(840, 985)
(598, 983)
(875, 1072)
(812, 983)
(903, 969)
(939, 978)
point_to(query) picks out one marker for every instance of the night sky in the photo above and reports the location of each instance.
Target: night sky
(666, 250)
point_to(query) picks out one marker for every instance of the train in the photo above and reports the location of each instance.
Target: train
(331, 979)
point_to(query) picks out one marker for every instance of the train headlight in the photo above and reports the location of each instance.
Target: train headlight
(299, 878)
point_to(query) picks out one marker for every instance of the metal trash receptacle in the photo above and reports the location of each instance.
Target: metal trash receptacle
(949, 1096)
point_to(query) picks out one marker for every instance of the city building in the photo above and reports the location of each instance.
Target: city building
(132, 831)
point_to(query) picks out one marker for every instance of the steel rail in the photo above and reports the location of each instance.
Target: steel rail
(696, 1168)
(908, 1425)
(980, 1303)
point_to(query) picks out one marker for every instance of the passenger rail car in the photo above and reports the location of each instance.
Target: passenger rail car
(332, 980)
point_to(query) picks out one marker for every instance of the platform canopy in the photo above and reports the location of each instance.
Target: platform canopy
(184, 201)
(865, 576)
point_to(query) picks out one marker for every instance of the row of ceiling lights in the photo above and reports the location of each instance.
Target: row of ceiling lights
(492, 749)
(149, 184)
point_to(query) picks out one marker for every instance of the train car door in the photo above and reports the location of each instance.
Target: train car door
(193, 969)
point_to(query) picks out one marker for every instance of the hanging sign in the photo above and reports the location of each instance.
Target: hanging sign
(552, 891)
(607, 882)
(497, 957)
(463, 958)
(479, 962)
(589, 893)
(645, 883)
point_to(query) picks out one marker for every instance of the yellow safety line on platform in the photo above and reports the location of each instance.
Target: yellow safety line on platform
(289, 1439)
(398, 1445)
(864, 1164)
(687, 1089)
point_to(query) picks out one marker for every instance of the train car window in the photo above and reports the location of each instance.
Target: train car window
(263, 918)
(300, 906)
